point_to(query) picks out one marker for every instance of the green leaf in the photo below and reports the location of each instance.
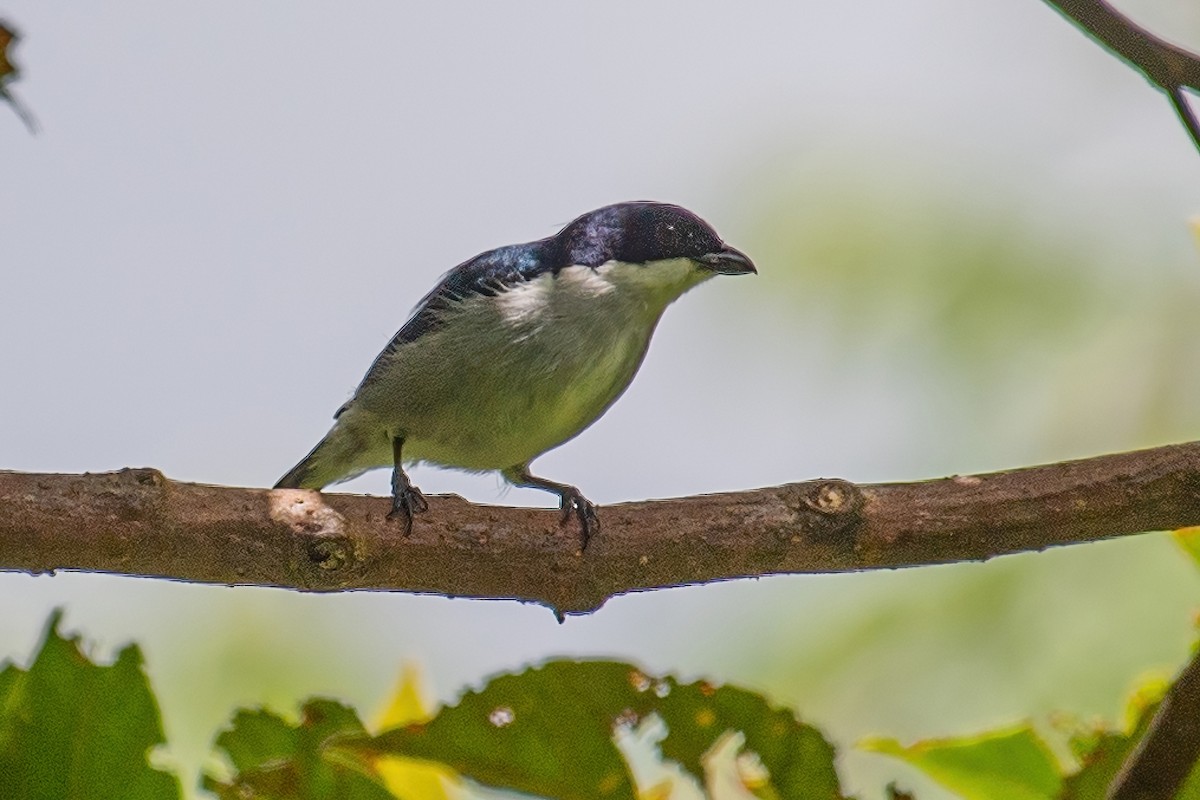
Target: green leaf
(70, 728)
(1009, 764)
(276, 760)
(549, 730)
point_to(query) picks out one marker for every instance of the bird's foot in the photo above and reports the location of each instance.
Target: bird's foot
(406, 501)
(571, 501)
(574, 503)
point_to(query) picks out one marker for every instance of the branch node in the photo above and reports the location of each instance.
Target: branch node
(829, 509)
(330, 554)
(833, 496)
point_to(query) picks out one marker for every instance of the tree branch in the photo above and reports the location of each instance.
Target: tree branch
(1167, 752)
(1168, 66)
(136, 522)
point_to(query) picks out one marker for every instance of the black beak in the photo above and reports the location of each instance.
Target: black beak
(728, 261)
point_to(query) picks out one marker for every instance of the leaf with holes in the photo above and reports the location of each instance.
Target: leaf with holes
(549, 731)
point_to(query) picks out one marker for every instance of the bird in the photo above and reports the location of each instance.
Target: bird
(518, 350)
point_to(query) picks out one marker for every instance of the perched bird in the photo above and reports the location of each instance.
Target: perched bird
(518, 350)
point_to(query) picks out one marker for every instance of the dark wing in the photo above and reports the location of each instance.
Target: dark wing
(486, 275)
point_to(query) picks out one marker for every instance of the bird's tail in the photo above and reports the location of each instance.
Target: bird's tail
(340, 456)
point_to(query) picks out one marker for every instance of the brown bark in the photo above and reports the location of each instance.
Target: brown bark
(136, 522)
(1167, 66)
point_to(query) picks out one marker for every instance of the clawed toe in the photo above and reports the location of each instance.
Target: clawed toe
(574, 503)
(405, 503)
(571, 501)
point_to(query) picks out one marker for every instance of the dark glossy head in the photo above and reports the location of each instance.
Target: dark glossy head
(643, 232)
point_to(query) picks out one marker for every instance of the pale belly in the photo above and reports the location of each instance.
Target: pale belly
(489, 403)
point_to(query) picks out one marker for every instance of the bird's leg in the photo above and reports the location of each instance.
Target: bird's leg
(406, 498)
(571, 500)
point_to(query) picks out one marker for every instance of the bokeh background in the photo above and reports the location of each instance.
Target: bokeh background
(971, 228)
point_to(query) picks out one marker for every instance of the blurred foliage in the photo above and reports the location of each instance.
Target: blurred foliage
(8, 36)
(276, 760)
(9, 73)
(408, 778)
(1017, 763)
(1019, 313)
(549, 731)
(70, 728)
(914, 257)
